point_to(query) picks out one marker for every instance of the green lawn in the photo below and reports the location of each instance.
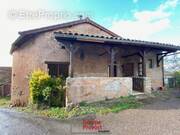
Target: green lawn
(4, 101)
(102, 107)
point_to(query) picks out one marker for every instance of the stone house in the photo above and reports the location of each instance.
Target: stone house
(99, 64)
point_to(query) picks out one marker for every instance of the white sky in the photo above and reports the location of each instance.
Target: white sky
(10, 26)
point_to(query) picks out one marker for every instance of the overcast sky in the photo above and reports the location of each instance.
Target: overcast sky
(154, 20)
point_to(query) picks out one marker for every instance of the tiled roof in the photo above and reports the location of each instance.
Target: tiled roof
(62, 25)
(25, 35)
(115, 41)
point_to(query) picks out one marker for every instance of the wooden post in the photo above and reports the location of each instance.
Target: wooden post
(112, 53)
(144, 63)
(163, 71)
(71, 60)
(72, 49)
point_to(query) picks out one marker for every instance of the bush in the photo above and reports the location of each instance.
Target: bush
(38, 82)
(177, 78)
(46, 90)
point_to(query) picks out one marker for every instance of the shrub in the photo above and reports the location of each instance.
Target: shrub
(46, 90)
(177, 77)
(38, 82)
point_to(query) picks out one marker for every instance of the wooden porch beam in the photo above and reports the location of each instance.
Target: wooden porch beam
(72, 49)
(143, 62)
(71, 60)
(133, 54)
(160, 57)
(113, 52)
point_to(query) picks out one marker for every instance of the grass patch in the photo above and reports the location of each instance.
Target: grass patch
(101, 107)
(4, 101)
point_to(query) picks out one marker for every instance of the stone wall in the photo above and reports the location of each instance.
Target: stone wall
(97, 88)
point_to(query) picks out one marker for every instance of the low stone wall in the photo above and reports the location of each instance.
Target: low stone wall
(96, 88)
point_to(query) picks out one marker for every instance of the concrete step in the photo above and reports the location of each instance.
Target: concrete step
(139, 95)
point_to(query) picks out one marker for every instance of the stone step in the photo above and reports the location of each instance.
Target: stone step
(139, 95)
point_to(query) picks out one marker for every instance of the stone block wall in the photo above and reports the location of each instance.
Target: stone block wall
(97, 88)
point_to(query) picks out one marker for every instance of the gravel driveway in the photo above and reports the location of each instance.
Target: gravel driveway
(159, 118)
(162, 117)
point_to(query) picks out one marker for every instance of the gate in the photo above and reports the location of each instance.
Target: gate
(138, 84)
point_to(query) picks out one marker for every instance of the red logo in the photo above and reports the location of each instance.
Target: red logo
(94, 125)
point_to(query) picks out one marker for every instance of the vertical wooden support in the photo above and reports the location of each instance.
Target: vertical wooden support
(72, 49)
(144, 63)
(163, 71)
(71, 60)
(112, 53)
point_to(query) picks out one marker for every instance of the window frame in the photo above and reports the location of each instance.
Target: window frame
(150, 63)
(58, 66)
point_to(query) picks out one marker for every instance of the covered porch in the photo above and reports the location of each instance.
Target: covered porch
(94, 56)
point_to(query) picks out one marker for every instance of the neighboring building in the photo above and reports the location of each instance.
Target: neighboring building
(5, 81)
(95, 57)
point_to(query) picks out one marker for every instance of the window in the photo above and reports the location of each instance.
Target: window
(58, 69)
(151, 64)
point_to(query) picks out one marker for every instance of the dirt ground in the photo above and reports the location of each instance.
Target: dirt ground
(160, 117)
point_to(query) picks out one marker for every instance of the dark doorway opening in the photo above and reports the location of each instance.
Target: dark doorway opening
(128, 70)
(58, 69)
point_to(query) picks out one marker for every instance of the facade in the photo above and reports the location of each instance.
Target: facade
(84, 50)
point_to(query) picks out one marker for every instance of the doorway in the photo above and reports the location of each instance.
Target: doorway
(128, 69)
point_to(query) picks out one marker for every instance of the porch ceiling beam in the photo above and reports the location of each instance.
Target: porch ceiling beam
(133, 54)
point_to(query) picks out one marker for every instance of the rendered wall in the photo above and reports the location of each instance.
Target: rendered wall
(155, 73)
(97, 88)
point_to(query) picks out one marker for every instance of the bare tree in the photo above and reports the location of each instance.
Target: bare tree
(172, 62)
